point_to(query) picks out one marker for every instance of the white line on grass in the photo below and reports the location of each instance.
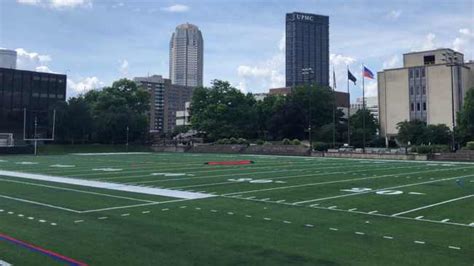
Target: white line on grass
(107, 185)
(337, 181)
(433, 205)
(382, 189)
(454, 247)
(133, 206)
(74, 190)
(40, 203)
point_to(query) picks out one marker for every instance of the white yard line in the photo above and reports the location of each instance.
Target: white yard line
(432, 205)
(359, 212)
(134, 206)
(74, 190)
(111, 186)
(4, 263)
(337, 181)
(40, 203)
(381, 189)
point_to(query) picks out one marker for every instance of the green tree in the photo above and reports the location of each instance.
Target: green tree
(437, 134)
(115, 108)
(222, 111)
(465, 119)
(412, 132)
(357, 127)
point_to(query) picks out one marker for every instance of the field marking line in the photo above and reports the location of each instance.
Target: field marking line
(357, 212)
(432, 205)
(454, 247)
(4, 263)
(74, 190)
(278, 178)
(134, 206)
(40, 204)
(242, 174)
(382, 189)
(106, 185)
(336, 181)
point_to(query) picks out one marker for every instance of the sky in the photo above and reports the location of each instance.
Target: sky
(96, 42)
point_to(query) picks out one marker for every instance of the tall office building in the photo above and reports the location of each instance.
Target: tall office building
(426, 88)
(186, 56)
(307, 46)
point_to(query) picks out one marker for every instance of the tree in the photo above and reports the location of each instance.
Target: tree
(115, 108)
(437, 134)
(412, 132)
(465, 118)
(222, 111)
(357, 127)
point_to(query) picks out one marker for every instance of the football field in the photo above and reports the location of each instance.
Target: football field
(174, 209)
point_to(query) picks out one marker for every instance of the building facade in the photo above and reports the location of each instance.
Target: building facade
(307, 46)
(371, 104)
(8, 58)
(429, 87)
(166, 100)
(186, 56)
(37, 92)
(182, 117)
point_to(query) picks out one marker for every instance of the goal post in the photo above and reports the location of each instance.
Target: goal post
(36, 127)
(6, 140)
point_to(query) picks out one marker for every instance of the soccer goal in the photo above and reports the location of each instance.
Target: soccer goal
(6, 140)
(38, 126)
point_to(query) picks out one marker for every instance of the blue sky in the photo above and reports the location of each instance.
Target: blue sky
(98, 41)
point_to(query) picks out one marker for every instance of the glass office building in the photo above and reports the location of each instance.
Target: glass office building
(36, 92)
(307, 46)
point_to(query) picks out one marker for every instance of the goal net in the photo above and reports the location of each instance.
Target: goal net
(6, 140)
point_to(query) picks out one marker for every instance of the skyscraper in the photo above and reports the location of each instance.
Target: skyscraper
(186, 56)
(307, 46)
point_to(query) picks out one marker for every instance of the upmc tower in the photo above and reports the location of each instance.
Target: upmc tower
(307, 46)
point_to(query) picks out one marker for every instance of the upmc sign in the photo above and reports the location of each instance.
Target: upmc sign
(304, 17)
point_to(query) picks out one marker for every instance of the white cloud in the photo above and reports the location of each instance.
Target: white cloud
(429, 42)
(58, 4)
(29, 2)
(82, 86)
(176, 8)
(32, 60)
(393, 62)
(394, 14)
(43, 69)
(464, 43)
(370, 88)
(123, 67)
(339, 64)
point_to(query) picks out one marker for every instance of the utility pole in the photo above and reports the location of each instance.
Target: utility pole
(126, 145)
(309, 73)
(451, 61)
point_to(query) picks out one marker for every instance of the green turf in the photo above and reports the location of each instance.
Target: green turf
(253, 218)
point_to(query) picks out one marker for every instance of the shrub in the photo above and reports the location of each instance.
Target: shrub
(260, 142)
(242, 141)
(286, 141)
(321, 146)
(223, 141)
(233, 141)
(470, 145)
(428, 149)
(296, 142)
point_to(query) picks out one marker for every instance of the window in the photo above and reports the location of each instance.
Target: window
(429, 59)
(411, 90)
(412, 107)
(418, 106)
(411, 73)
(417, 90)
(417, 73)
(423, 72)
(424, 106)
(424, 89)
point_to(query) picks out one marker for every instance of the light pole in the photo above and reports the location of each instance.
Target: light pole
(451, 61)
(309, 73)
(126, 145)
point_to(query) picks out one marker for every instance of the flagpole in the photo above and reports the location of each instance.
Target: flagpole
(363, 111)
(334, 108)
(348, 111)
